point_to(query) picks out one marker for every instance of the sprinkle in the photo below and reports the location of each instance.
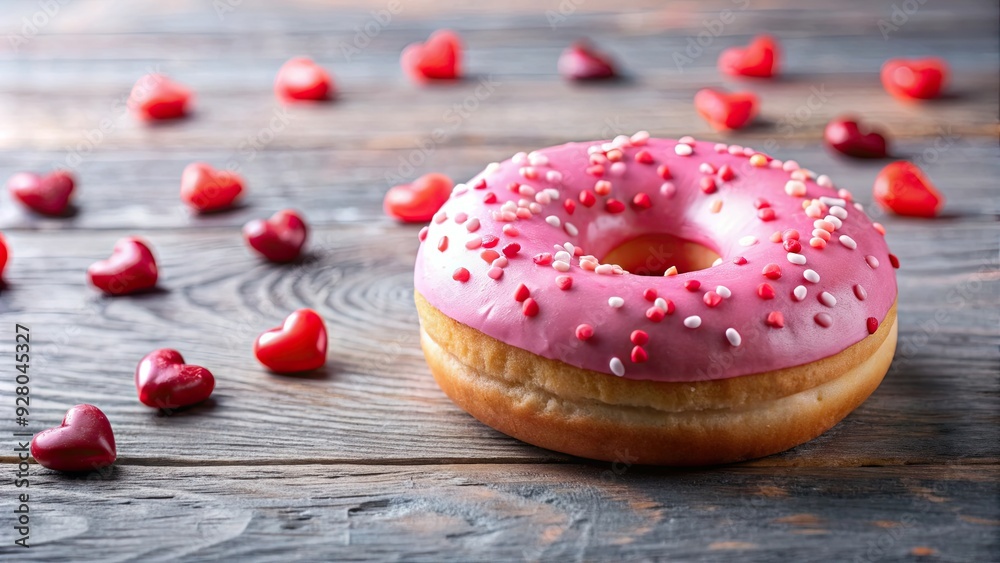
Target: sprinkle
(814, 211)
(596, 170)
(717, 261)
(794, 258)
(872, 261)
(671, 271)
(771, 271)
(474, 243)
(837, 223)
(775, 319)
(766, 214)
(500, 262)
(663, 171)
(825, 225)
(817, 242)
(692, 285)
(639, 355)
(489, 256)
(838, 212)
(694, 321)
(584, 332)
(605, 269)
(848, 242)
(711, 298)
(668, 189)
(613, 206)
(489, 241)
(616, 302)
(602, 187)
(860, 292)
(789, 234)
(654, 314)
(543, 198)
(587, 198)
(665, 305)
(795, 188)
(639, 337)
(495, 273)
(642, 201)
(511, 249)
(775, 237)
(706, 168)
(822, 233)
(615, 155)
(570, 229)
(790, 165)
(894, 261)
(617, 168)
(811, 276)
(748, 240)
(461, 275)
(758, 161)
(879, 228)
(569, 205)
(824, 320)
(734, 337)
(739, 260)
(537, 159)
(564, 282)
(707, 185)
(554, 176)
(872, 324)
(824, 181)
(800, 292)
(639, 138)
(765, 291)
(726, 173)
(735, 150)
(530, 307)
(760, 203)
(422, 235)
(831, 201)
(553, 220)
(443, 243)
(644, 157)
(440, 217)
(617, 367)
(543, 259)
(520, 158)
(683, 150)
(723, 291)
(827, 299)
(721, 148)
(561, 266)
(716, 206)
(526, 190)
(490, 197)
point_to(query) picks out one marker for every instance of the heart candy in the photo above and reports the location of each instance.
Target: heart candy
(439, 58)
(419, 201)
(901, 187)
(759, 59)
(4, 254)
(581, 62)
(725, 110)
(48, 195)
(914, 79)
(299, 344)
(302, 79)
(206, 189)
(155, 97)
(83, 442)
(280, 238)
(845, 136)
(164, 381)
(130, 268)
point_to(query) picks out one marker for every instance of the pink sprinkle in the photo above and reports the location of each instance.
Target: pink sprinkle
(474, 243)
(817, 242)
(422, 235)
(473, 225)
(766, 214)
(775, 319)
(879, 228)
(711, 298)
(461, 275)
(872, 261)
(564, 282)
(495, 272)
(824, 320)
(443, 244)
(668, 189)
(543, 259)
(584, 332)
(510, 230)
(860, 292)
(790, 234)
(739, 260)
(461, 218)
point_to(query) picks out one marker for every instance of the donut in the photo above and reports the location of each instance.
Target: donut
(655, 301)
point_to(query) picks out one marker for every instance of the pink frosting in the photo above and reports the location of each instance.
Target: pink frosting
(827, 298)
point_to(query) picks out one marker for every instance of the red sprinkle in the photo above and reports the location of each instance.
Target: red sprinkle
(765, 291)
(422, 235)
(443, 244)
(530, 308)
(894, 261)
(584, 332)
(642, 201)
(766, 214)
(643, 157)
(872, 323)
(543, 259)
(670, 307)
(692, 285)
(596, 170)
(521, 293)
(639, 355)
(760, 203)
(712, 298)
(792, 245)
(707, 184)
(480, 185)
(655, 314)
(569, 205)
(726, 173)
(614, 206)
(790, 234)
(489, 256)
(587, 198)
(490, 197)
(639, 337)
(461, 275)
(775, 319)
(489, 241)
(564, 282)
(772, 271)
(649, 294)
(739, 260)
(514, 187)
(510, 250)
(664, 171)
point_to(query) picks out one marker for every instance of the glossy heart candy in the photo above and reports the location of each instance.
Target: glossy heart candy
(419, 201)
(4, 254)
(299, 344)
(581, 62)
(48, 195)
(439, 58)
(155, 97)
(302, 79)
(724, 110)
(845, 136)
(759, 59)
(84, 442)
(164, 381)
(206, 189)
(280, 238)
(902, 188)
(130, 268)
(916, 79)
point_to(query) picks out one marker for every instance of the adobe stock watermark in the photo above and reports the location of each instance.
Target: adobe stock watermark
(32, 25)
(453, 117)
(899, 16)
(364, 34)
(711, 30)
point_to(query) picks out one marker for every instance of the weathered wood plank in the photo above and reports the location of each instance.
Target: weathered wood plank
(514, 512)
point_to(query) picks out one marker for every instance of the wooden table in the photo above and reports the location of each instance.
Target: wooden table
(368, 459)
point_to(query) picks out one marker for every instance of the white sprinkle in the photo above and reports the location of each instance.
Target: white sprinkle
(735, 149)
(553, 193)
(492, 167)
(811, 276)
(872, 261)
(668, 189)
(831, 201)
(706, 168)
(824, 181)
(800, 292)
(694, 321)
(748, 240)
(858, 206)
(617, 367)
(683, 150)
(535, 207)
(459, 189)
(616, 302)
(553, 220)
(639, 138)
(790, 165)
(508, 206)
(733, 336)
(838, 212)
(661, 304)
(562, 256)
(848, 242)
(795, 188)
(717, 262)
(561, 266)
(543, 198)
(621, 141)
(568, 247)
(723, 292)
(472, 225)
(837, 223)
(617, 168)
(720, 148)
(796, 258)
(520, 158)
(571, 229)
(537, 159)
(554, 176)
(827, 299)
(686, 139)
(605, 269)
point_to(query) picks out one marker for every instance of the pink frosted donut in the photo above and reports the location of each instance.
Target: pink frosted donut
(684, 302)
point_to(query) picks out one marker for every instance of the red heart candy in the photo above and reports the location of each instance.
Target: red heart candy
(206, 189)
(130, 268)
(844, 135)
(758, 59)
(280, 238)
(581, 62)
(4, 254)
(48, 195)
(902, 188)
(419, 201)
(156, 97)
(723, 110)
(299, 344)
(915, 79)
(84, 442)
(439, 58)
(164, 381)
(302, 79)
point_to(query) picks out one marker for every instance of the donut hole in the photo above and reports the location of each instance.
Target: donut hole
(652, 254)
